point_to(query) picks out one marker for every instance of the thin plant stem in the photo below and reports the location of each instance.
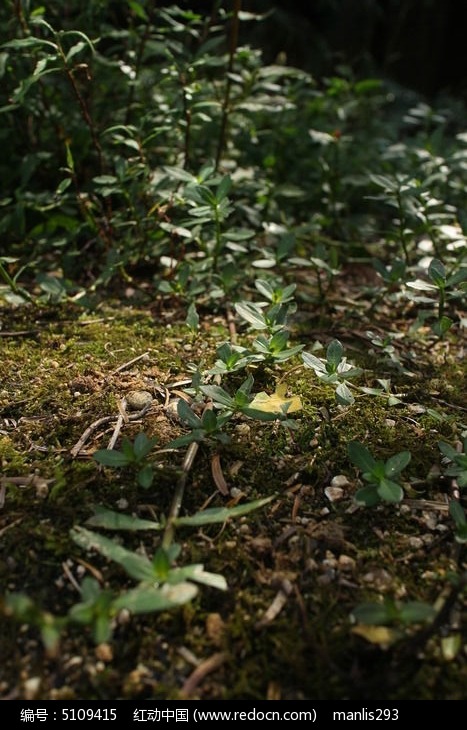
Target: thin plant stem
(177, 500)
(228, 84)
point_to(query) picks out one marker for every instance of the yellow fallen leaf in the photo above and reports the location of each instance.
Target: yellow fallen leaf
(275, 403)
(381, 635)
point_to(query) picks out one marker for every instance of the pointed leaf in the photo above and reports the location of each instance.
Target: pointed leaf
(313, 362)
(147, 599)
(109, 457)
(145, 476)
(110, 520)
(367, 497)
(447, 450)
(142, 446)
(395, 464)
(457, 513)
(360, 456)
(344, 395)
(416, 612)
(374, 614)
(137, 566)
(221, 514)
(252, 314)
(186, 414)
(198, 434)
(218, 395)
(199, 575)
(437, 273)
(390, 491)
(334, 353)
(192, 317)
(265, 288)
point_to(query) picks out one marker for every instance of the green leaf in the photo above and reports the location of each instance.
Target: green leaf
(198, 434)
(74, 50)
(416, 612)
(192, 317)
(442, 325)
(395, 464)
(421, 285)
(105, 179)
(390, 491)
(142, 445)
(137, 566)
(138, 10)
(360, 456)
(448, 450)
(145, 476)
(334, 353)
(148, 599)
(313, 362)
(221, 514)
(367, 497)
(111, 520)
(161, 565)
(437, 273)
(457, 513)
(102, 628)
(265, 288)
(109, 457)
(344, 395)
(371, 614)
(209, 421)
(224, 187)
(252, 314)
(186, 414)
(218, 395)
(197, 574)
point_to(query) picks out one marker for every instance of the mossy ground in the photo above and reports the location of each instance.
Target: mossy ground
(295, 569)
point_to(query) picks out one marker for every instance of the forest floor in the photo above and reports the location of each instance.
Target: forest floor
(296, 568)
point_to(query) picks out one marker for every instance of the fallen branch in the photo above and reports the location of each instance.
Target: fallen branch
(129, 363)
(74, 451)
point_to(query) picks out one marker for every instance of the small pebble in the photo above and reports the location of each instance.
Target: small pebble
(340, 480)
(138, 399)
(334, 494)
(31, 688)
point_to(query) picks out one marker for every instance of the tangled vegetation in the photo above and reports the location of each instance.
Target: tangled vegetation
(233, 430)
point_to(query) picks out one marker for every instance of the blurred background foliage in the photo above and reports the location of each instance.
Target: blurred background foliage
(110, 110)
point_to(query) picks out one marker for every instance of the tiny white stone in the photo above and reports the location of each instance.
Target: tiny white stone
(340, 480)
(334, 493)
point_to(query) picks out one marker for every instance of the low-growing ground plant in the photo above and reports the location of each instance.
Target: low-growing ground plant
(169, 192)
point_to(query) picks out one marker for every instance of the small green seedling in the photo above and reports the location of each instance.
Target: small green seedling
(275, 294)
(95, 610)
(334, 370)
(23, 609)
(458, 515)
(274, 348)
(392, 613)
(131, 455)
(231, 358)
(272, 319)
(209, 425)
(262, 409)
(457, 462)
(379, 474)
(444, 287)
